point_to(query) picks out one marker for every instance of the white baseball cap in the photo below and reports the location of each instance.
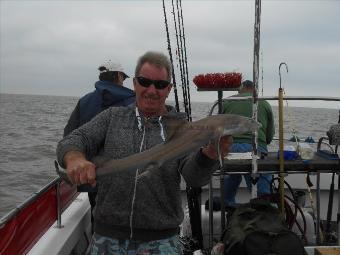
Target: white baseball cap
(110, 66)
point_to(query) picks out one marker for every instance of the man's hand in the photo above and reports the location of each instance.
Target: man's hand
(79, 170)
(211, 152)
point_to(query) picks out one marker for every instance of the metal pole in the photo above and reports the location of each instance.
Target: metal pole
(59, 225)
(272, 98)
(338, 213)
(281, 159)
(318, 239)
(211, 223)
(220, 111)
(281, 139)
(256, 62)
(286, 98)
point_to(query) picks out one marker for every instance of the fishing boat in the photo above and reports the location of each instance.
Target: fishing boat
(56, 219)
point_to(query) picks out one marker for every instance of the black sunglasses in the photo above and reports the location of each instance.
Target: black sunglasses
(159, 84)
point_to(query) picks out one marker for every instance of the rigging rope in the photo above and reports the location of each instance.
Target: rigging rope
(171, 60)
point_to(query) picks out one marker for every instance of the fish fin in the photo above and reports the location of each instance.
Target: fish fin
(173, 125)
(152, 165)
(218, 149)
(220, 158)
(217, 146)
(149, 169)
(142, 175)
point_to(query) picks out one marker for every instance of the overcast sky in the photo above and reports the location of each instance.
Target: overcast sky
(55, 47)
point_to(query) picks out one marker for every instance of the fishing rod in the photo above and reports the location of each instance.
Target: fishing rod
(192, 192)
(281, 156)
(185, 61)
(180, 61)
(171, 60)
(181, 57)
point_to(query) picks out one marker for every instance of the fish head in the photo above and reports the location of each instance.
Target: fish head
(236, 125)
(229, 125)
(233, 124)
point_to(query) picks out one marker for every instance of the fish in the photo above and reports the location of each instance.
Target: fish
(183, 137)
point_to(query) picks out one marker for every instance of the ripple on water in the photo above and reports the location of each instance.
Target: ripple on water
(14, 135)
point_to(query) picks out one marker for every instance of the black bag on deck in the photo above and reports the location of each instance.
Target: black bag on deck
(257, 228)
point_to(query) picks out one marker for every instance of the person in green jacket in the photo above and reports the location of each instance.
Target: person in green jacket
(243, 143)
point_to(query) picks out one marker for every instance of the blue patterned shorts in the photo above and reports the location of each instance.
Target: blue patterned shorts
(101, 245)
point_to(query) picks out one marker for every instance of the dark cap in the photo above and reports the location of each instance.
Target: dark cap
(247, 84)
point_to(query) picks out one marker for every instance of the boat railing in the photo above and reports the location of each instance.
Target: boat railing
(34, 196)
(273, 98)
(35, 215)
(219, 103)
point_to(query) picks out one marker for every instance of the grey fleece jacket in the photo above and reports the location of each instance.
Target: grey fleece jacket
(157, 208)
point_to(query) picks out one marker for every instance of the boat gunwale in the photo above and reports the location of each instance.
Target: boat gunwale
(33, 197)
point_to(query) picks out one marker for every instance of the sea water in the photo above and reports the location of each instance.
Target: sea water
(31, 126)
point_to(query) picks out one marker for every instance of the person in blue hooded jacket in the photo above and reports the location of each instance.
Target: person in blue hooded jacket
(109, 91)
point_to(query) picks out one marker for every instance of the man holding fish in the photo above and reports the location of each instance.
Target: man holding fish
(147, 147)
